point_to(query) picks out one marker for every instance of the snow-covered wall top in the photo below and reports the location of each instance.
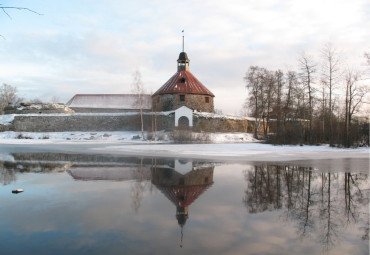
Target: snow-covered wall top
(110, 101)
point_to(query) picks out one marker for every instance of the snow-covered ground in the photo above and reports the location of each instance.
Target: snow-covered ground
(11, 137)
(220, 146)
(238, 152)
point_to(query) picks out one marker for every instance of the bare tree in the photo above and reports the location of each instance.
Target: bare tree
(290, 109)
(55, 99)
(293, 99)
(308, 69)
(269, 92)
(279, 77)
(138, 88)
(354, 97)
(253, 79)
(330, 76)
(8, 95)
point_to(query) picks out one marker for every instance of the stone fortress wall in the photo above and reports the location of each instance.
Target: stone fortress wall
(80, 122)
(126, 122)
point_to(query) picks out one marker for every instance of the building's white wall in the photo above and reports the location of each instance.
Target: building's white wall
(183, 111)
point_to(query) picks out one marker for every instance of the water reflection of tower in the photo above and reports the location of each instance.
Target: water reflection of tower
(182, 185)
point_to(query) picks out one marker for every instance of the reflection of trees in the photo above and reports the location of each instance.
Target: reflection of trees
(328, 212)
(321, 204)
(7, 175)
(9, 169)
(138, 187)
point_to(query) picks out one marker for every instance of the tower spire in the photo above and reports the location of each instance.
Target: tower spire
(183, 61)
(183, 41)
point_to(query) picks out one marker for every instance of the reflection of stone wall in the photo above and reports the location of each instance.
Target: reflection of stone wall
(170, 102)
(36, 167)
(80, 158)
(121, 173)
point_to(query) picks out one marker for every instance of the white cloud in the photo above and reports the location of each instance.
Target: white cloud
(96, 45)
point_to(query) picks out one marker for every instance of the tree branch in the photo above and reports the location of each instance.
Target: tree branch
(4, 8)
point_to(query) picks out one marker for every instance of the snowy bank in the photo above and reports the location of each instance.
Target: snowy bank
(124, 143)
(224, 147)
(239, 152)
(11, 137)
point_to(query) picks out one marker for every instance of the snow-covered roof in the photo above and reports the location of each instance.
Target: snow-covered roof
(110, 101)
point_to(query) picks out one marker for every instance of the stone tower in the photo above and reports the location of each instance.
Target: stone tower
(183, 89)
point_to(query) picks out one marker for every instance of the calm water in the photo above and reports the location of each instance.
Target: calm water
(95, 204)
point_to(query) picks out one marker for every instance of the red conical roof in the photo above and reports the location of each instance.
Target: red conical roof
(183, 196)
(183, 82)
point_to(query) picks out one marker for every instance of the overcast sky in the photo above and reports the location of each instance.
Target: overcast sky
(94, 46)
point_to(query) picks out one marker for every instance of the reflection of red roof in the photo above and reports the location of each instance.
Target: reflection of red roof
(183, 196)
(183, 82)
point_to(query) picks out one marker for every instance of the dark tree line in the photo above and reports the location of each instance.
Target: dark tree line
(315, 104)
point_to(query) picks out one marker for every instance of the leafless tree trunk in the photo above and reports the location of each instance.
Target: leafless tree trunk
(354, 96)
(330, 75)
(138, 87)
(279, 76)
(253, 79)
(269, 84)
(308, 69)
(292, 80)
(154, 119)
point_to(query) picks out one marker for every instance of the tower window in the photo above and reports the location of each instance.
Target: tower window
(206, 99)
(182, 98)
(182, 80)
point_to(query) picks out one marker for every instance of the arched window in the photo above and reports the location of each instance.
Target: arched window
(183, 121)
